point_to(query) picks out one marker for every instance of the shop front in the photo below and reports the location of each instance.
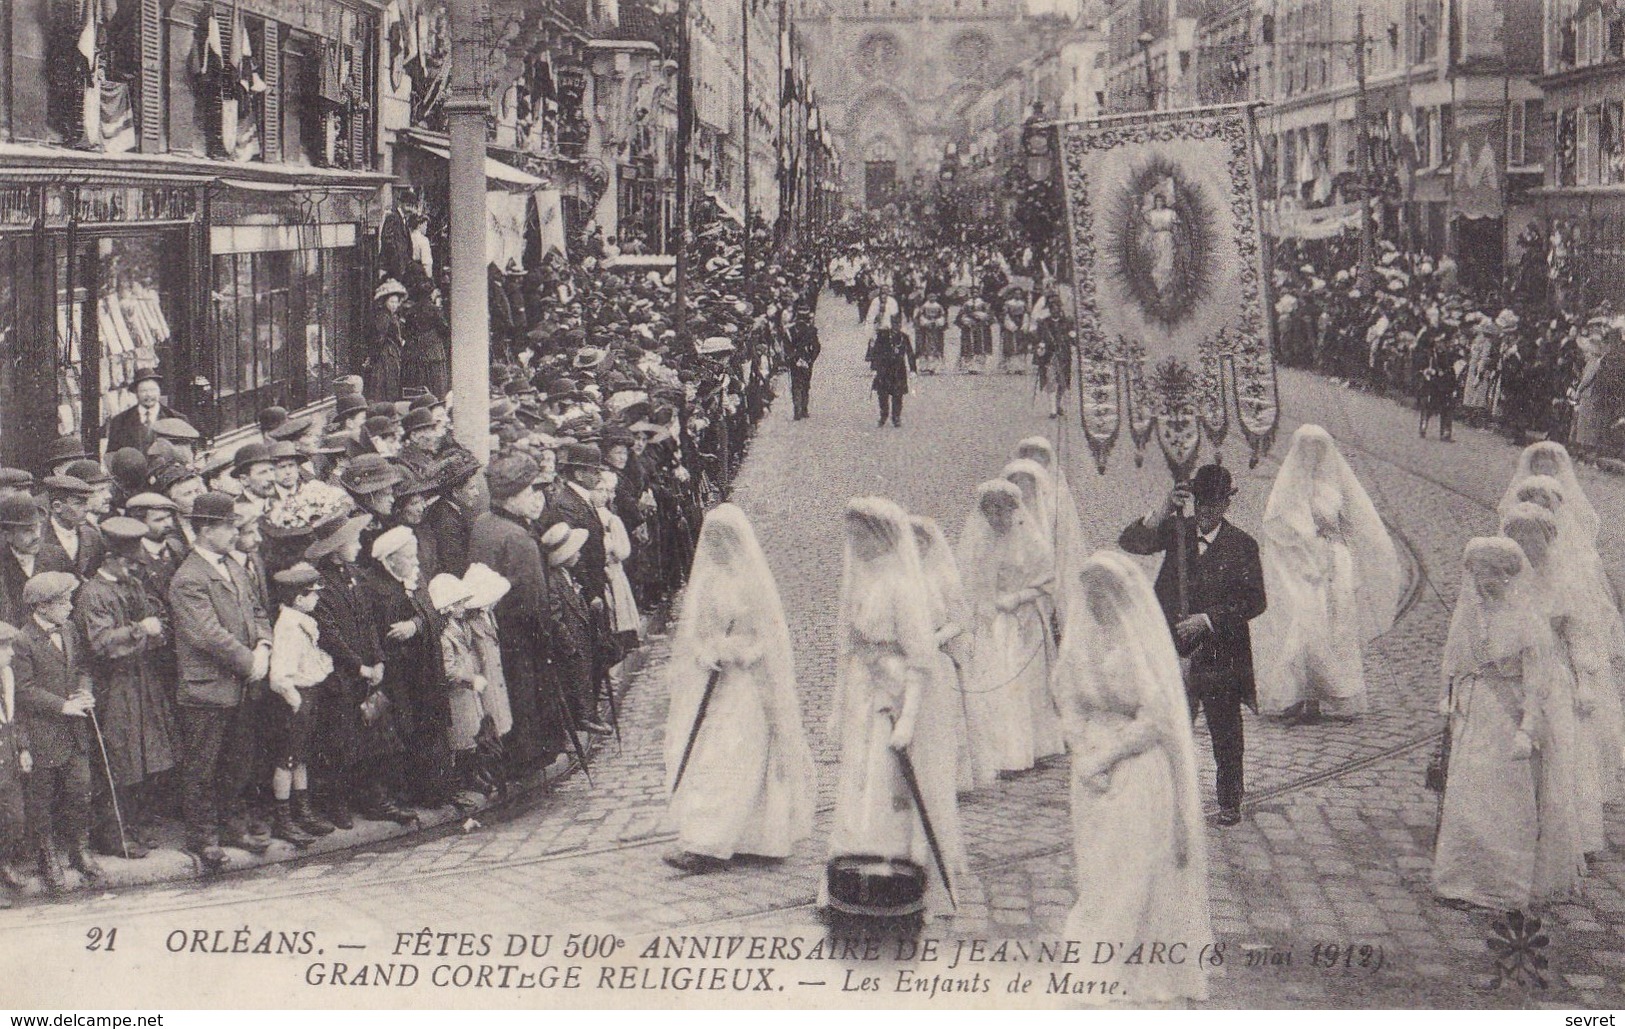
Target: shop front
(97, 278)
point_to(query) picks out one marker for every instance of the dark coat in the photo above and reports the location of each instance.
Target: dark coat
(1226, 584)
(125, 429)
(128, 669)
(891, 355)
(803, 347)
(52, 558)
(12, 580)
(45, 678)
(218, 624)
(157, 570)
(450, 526)
(570, 507)
(349, 635)
(414, 669)
(527, 630)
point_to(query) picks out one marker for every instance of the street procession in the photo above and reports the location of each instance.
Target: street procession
(1034, 504)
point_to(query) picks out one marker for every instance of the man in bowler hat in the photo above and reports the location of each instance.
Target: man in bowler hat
(1224, 590)
(135, 426)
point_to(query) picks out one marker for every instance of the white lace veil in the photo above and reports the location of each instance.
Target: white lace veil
(1117, 654)
(1316, 485)
(731, 589)
(983, 551)
(1071, 545)
(1550, 458)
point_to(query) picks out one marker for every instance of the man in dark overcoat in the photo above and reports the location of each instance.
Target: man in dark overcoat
(69, 543)
(891, 356)
(800, 353)
(134, 426)
(1224, 591)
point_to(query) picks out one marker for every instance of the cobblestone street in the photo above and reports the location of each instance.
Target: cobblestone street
(1335, 844)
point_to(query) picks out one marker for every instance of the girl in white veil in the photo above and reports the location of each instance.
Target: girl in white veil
(888, 702)
(1585, 727)
(1009, 575)
(1140, 848)
(950, 618)
(1505, 838)
(1071, 545)
(1333, 578)
(749, 784)
(1551, 458)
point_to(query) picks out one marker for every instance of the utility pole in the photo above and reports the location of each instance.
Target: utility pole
(685, 135)
(1363, 158)
(744, 131)
(466, 110)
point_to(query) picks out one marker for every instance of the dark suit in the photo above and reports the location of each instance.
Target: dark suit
(13, 783)
(891, 356)
(53, 558)
(58, 791)
(12, 581)
(802, 351)
(218, 622)
(1226, 583)
(125, 429)
(570, 507)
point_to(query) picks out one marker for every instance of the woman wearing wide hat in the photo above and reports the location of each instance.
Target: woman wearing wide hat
(387, 345)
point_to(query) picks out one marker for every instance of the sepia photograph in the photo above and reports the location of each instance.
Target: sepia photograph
(784, 505)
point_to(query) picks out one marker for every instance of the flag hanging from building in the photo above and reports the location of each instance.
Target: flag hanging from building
(90, 71)
(1170, 281)
(245, 143)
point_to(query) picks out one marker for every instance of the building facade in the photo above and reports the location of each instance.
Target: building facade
(187, 185)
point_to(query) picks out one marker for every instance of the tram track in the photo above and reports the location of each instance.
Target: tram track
(229, 894)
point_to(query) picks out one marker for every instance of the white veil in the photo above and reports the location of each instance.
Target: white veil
(1315, 483)
(1550, 458)
(731, 586)
(948, 601)
(1070, 542)
(1483, 630)
(1116, 648)
(982, 550)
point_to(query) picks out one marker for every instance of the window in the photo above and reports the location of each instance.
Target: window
(277, 318)
(1563, 147)
(1591, 146)
(1446, 136)
(1422, 120)
(1523, 133)
(1611, 161)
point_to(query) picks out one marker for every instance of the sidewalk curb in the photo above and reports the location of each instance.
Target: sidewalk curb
(166, 865)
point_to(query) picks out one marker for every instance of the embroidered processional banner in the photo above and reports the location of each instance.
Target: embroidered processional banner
(1171, 278)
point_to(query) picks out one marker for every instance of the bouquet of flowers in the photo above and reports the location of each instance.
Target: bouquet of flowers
(313, 504)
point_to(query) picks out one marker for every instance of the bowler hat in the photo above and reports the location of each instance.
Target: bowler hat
(1212, 483)
(346, 406)
(215, 507)
(16, 479)
(283, 450)
(417, 418)
(581, 455)
(129, 466)
(250, 454)
(171, 474)
(382, 425)
(426, 399)
(272, 417)
(88, 471)
(18, 511)
(291, 428)
(65, 448)
(146, 375)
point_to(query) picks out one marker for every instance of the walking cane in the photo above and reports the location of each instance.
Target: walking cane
(699, 718)
(112, 787)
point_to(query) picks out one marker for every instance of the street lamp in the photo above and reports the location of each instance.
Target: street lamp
(1145, 40)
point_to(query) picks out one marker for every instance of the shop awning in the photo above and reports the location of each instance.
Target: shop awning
(495, 171)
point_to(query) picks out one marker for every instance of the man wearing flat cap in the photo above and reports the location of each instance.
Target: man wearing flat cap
(54, 700)
(223, 650)
(133, 427)
(127, 638)
(70, 543)
(21, 533)
(1224, 590)
(163, 548)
